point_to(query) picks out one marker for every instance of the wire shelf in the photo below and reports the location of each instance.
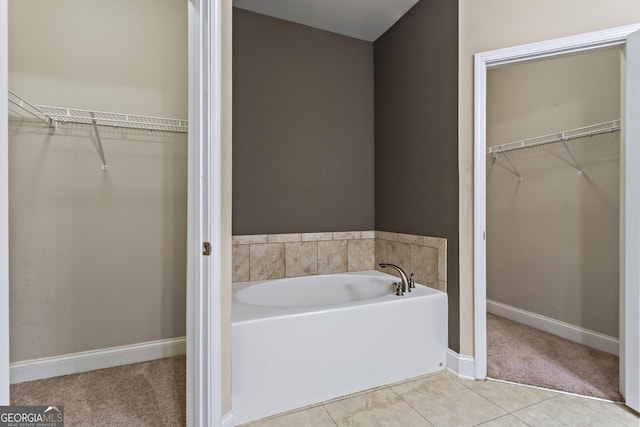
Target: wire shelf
(71, 115)
(561, 137)
(23, 108)
(53, 116)
(556, 137)
(56, 115)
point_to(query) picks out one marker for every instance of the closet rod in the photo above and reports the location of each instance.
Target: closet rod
(599, 128)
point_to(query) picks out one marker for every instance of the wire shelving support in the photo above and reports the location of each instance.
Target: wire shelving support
(561, 137)
(100, 150)
(54, 116)
(515, 171)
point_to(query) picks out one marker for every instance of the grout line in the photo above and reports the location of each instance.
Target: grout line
(504, 409)
(520, 419)
(411, 406)
(329, 413)
(348, 258)
(249, 262)
(460, 381)
(317, 257)
(501, 416)
(284, 259)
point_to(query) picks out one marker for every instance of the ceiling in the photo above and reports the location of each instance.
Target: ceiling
(361, 19)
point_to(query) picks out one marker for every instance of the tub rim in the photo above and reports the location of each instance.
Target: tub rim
(243, 312)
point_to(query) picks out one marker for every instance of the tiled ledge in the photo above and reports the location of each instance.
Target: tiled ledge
(274, 256)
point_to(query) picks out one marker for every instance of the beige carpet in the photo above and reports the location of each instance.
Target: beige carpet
(142, 394)
(519, 353)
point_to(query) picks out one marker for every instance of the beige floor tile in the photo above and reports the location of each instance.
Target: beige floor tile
(504, 421)
(378, 408)
(509, 397)
(312, 417)
(444, 401)
(566, 410)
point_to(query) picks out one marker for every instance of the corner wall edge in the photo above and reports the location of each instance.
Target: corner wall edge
(461, 365)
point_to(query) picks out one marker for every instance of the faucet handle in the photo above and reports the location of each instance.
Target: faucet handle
(412, 282)
(397, 288)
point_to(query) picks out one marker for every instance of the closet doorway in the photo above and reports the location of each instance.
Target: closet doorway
(629, 40)
(203, 300)
(553, 184)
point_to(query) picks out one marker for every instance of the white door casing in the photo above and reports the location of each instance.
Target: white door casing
(4, 205)
(630, 224)
(204, 216)
(630, 196)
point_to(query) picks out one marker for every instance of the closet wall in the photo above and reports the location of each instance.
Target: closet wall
(552, 238)
(98, 258)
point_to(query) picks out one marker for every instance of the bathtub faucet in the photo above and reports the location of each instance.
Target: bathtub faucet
(407, 283)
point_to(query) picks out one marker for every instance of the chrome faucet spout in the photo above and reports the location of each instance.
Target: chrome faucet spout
(403, 276)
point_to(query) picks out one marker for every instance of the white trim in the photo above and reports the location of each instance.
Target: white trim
(4, 207)
(558, 47)
(204, 339)
(47, 367)
(630, 225)
(556, 327)
(630, 202)
(227, 420)
(461, 365)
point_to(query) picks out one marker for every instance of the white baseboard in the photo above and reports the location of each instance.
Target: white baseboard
(461, 365)
(47, 367)
(227, 420)
(556, 327)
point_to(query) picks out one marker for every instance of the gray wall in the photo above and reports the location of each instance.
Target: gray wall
(552, 238)
(416, 101)
(303, 158)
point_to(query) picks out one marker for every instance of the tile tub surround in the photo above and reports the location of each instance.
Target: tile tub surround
(275, 256)
(424, 256)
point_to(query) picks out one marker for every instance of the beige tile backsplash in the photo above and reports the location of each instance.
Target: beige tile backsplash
(301, 259)
(361, 254)
(424, 256)
(332, 256)
(273, 256)
(266, 261)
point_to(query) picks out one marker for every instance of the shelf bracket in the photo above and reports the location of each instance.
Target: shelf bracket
(100, 150)
(563, 141)
(514, 171)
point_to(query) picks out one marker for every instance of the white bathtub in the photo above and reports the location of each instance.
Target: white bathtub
(304, 340)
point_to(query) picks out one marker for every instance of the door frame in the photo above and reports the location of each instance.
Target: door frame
(204, 218)
(4, 203)
(204, 214)
(630, 206)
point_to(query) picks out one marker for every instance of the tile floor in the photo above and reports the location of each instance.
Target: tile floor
(445, 400)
